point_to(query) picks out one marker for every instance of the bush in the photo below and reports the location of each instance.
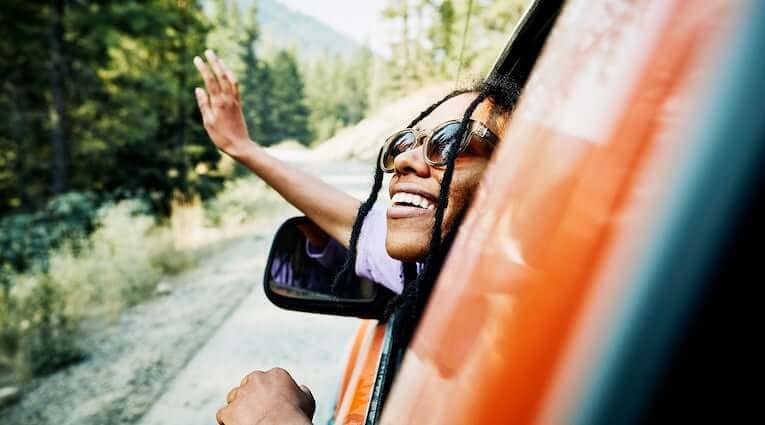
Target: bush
(118, 265)
(37, 334)
(48, 333)
(242, 201)
(115, 268)
(74, 261)
(27, 239)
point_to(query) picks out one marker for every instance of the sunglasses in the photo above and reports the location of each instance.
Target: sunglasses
(437, 143)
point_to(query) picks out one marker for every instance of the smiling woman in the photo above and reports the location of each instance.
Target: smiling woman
(436, 162)
(419, 170)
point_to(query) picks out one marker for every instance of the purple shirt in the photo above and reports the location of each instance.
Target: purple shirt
(372, 259)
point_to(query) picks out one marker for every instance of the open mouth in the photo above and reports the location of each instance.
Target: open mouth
(405, 199)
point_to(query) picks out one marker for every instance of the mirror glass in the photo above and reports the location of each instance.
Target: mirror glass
(303, 263)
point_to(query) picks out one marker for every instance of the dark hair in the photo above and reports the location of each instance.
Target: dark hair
(503, 94)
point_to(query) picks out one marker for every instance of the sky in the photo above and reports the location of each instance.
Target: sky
(359, 19)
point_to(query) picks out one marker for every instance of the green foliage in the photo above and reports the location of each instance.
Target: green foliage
(84, 277)
(26, 239)
(256, 86)
(24, 124)
(242, 201)
(272, 90)
(46, 338)
(129, 122)
(232, 30)
(289, 113)
(115, 268)
(431, 36)
(338, 92)
(155, 141)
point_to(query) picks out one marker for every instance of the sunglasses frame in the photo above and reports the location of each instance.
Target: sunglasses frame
(423, 137)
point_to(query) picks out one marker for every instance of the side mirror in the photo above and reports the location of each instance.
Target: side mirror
(295, 280)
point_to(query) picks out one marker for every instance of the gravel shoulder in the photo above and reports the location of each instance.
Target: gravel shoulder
(131, 361)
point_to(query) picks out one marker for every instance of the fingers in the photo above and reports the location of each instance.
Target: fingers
(219, 416)
(306, 403)
(211, 82)
(310, 406)
(271, 394)
(223, 79)
(280, 374)
(231, 395)
(230, 77)
(203, 101)
(252, 376)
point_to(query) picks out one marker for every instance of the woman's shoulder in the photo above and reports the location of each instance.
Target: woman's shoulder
(372, 259)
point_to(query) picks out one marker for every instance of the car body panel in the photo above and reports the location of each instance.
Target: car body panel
(569, 201)
(359, 376)
(351, 360)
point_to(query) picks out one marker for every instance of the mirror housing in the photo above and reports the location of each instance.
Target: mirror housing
(299, 275)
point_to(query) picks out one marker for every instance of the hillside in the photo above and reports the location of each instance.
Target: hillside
(363, 140)
(283, 27)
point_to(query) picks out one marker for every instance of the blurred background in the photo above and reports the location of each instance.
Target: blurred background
(131, 251)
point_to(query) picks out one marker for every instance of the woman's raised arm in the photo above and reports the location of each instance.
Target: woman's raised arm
(330, 208)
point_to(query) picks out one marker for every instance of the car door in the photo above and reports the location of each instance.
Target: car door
(617, 186)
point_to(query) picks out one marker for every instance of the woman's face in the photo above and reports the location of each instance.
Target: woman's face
(409, 227)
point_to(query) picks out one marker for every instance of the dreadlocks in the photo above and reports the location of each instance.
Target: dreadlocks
(503, 94)
(417, 292)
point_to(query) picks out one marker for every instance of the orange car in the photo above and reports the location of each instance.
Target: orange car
(597, 285)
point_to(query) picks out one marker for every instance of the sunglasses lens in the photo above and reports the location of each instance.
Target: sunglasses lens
(397, 144)
(441, 143)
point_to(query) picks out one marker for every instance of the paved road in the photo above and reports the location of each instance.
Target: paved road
(257, 335)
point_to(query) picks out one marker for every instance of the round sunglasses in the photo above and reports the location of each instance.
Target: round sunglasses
(437, 143)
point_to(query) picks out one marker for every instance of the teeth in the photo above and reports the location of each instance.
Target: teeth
(413, 199)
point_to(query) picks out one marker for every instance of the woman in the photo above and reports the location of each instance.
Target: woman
(436, 161)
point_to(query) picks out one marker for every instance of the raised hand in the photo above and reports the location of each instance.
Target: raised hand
(333, 210)
(221, 105)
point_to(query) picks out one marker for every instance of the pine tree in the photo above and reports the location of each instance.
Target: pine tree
(256, 84)
(290, 113)
(24, 134)
(99, 98)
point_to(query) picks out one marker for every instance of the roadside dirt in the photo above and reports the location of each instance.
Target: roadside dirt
(130, 362)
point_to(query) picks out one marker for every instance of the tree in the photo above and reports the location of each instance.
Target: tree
(442, 35)
(256, 83)
(230, 30)
(24, 88)
(357, 81)
(59, 136)
(99, 98)
(338, 92)
(450, 39)
(146, 131)
(399, 70)
(290, 113)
